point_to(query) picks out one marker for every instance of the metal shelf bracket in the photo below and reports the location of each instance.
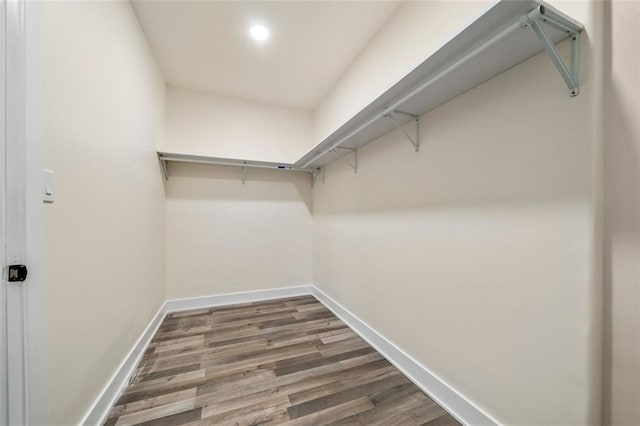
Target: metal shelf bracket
(533, 19)
(244, 172)
(414, 141)
(353, 165)
(315, 174)
(165, 170)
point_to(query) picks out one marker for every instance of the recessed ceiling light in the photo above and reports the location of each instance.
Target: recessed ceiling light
(259, 33)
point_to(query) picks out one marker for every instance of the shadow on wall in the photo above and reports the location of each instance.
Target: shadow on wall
(481, 149)
(209, 182)
(621, 381)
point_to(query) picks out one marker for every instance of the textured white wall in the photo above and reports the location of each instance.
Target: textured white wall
(225, 237)
(222, 126)
(476, 255)
(104, 235)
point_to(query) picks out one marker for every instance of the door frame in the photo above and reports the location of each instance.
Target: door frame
(13, 209)
(23, 356)
(3, 331)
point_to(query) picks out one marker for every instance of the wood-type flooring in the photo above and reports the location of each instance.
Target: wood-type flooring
(286, 361)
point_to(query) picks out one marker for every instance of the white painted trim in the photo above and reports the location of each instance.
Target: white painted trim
(100, 408)
(4, 398)
(447, 397)
(98, 411)
(23, 363)
(14, 204)
(176, 305)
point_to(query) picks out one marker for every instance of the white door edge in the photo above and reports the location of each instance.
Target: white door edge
(22, 356)
(15, 205)
(3, 331)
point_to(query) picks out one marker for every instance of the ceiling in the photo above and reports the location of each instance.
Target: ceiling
(205, 45)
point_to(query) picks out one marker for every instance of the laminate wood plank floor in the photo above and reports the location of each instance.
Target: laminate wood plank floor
(286, 361)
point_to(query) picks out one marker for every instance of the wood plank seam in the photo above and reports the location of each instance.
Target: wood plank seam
(283, 361)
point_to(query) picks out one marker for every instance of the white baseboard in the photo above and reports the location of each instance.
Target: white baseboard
(452, 401)
(176, 305)
(458, 406)
(100, 408)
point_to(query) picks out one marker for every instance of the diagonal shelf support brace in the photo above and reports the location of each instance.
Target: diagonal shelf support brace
(570, 76)
(165, 168)
(315, 174)
(415, 141)
(353, 165)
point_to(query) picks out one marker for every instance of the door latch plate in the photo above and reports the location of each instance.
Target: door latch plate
(17, 273)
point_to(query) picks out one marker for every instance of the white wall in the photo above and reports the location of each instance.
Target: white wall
(476, 256)
(225, 237)
(35, 289)
(412, 34)
(222, 126)
(104, 235)
(622, 186)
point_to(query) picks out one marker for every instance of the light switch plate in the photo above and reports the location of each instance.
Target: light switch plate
(48, 187)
